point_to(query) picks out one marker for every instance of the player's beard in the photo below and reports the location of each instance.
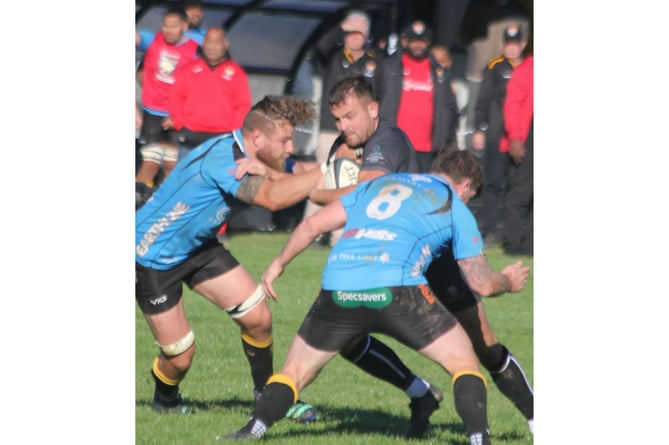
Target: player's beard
(276, 164)
(418, 55)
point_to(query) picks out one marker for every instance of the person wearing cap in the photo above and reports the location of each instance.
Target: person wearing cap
(342, 52)
(489, 128)
(418, 97)
(518, 143)
(482, 23)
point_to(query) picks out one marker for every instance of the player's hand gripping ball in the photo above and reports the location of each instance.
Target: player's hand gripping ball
(341, 173)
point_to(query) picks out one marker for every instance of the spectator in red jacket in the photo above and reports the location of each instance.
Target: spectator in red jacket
(210, 96)
(165, 53)
(519, 143)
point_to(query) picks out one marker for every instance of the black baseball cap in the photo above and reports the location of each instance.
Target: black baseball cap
(512, 34)
(418, 30)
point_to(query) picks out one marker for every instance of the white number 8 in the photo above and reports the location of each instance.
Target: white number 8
(388, 202)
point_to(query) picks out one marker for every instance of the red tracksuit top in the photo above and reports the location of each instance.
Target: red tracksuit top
(210, 100)
(161, 61)
(519, 104)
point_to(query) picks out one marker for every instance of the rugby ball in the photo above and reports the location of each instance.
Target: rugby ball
(341, 173)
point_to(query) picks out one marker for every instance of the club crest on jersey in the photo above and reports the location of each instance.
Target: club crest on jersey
(228, 73)
(376, 154)
(370, 68)
(167, 64)
(440, 75)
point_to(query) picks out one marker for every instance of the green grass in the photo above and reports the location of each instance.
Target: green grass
(353, 407)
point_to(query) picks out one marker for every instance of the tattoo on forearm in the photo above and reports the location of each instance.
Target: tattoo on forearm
(476, 271)
(249, 187)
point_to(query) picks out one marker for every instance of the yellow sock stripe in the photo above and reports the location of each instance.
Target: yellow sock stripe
(262, 344)
(161, 376)
(282, 378)
(476, 373)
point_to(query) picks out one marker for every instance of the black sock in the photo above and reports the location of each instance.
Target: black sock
(276, 400)
(164, 393)
(260, 357)
(377, 359)
(512, 382)
(470, 396)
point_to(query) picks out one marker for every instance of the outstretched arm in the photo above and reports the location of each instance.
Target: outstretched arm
(327, 219)
(325, 196)
(280, 193)
(488, 283)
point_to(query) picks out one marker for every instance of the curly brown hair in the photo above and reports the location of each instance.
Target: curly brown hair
(267, 114)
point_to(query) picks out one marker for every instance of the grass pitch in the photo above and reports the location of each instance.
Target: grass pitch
(353, 407)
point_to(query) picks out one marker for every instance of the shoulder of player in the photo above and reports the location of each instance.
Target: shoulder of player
(385, 132)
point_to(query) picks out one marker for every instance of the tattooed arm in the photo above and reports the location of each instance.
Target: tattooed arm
(488, 283)
(280, 193)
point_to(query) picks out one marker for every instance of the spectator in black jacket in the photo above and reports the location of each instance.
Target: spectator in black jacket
(343, 51)
(489, 128)
(417, 96)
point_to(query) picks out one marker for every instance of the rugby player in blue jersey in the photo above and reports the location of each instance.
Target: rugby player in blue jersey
(384, 148)
(374, 282)
(176, 239)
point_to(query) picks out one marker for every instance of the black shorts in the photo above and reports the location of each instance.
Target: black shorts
(446, 281)
(159, 290)
(410, 314)
(152, 131)
(191, 139)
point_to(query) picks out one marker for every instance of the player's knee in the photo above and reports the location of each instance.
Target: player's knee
(246, 306)
(180, 353)
(494, 358)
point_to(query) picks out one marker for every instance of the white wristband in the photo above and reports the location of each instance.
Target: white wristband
(324, 167)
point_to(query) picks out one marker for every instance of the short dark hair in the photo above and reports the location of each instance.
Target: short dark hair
(459, 165)
(177, 10)
(358, 85)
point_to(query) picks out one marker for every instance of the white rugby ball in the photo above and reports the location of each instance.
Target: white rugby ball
(340, 173)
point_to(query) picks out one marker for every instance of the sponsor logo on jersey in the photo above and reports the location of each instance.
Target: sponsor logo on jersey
(417, 268)
(159, 227)
(370, 298)
(381, 235)
(413, 85)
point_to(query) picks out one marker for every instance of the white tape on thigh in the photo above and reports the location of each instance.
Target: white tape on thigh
(179, 346)
(153, 152)
(244, 307)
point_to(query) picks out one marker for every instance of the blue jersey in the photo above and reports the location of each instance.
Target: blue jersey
(396, 225)
(197, 34)
(189, 207)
